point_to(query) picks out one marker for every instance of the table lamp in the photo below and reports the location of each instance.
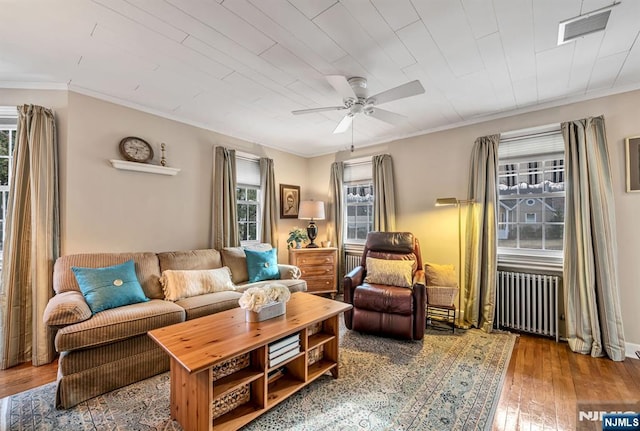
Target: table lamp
(311, 210)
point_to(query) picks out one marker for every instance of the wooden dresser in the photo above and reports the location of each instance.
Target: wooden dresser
(318, 267)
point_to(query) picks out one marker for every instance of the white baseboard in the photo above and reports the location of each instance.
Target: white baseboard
(631, 349)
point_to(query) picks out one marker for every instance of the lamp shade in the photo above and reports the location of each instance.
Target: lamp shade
(311, 210)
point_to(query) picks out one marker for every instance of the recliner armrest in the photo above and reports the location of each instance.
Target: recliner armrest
(350, 281)
(420, 278)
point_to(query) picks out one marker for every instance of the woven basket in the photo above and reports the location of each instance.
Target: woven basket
(314, 329)
(315, 355)
(233, 399)
(231, 366)
(440, 295)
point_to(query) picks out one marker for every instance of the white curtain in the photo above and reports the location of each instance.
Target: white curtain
(482, 252)
(269, 232)
(384, 204)
(225, 220)
(592, 298)
(32, 241)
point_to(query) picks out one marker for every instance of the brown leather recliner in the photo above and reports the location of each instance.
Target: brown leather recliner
(381, 309)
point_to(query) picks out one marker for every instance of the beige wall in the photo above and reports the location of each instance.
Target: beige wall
(437, 165)
(114, 210)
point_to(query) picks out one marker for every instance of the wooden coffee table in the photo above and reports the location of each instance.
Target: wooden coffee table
(204, 349)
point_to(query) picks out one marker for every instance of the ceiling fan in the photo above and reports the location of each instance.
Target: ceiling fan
(356, 101)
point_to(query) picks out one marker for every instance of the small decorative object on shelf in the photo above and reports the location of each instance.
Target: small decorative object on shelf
(163, 160)
(266, 302)
(296, 237)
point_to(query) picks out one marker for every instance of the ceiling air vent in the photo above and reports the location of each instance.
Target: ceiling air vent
(584, 24)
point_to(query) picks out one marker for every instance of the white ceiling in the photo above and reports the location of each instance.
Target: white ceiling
(240, 67)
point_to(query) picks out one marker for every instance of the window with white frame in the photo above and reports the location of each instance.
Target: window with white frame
(358, 205)
(531, 193)
(248, 198)
(8, 122)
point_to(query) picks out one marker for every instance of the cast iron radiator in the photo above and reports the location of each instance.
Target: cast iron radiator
(528, 302)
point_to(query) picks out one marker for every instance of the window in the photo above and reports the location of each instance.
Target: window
(358, 205)
(8, 122)
(359, 209)
(248, 198)
(531, 193)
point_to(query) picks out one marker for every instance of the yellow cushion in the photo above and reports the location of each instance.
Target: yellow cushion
(184, 284)
(440, 275)
(390, 272)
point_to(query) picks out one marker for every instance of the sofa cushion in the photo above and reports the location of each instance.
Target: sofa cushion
(262, 265)
(178, 284)
(236, 260)
(209, 303)
(118, 324)
(109, 287)
(190, 259)
(389, 272)
(66, 308)
(147, 270)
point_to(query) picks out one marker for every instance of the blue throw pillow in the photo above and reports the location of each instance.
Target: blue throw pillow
(110, 287)
(262, 265)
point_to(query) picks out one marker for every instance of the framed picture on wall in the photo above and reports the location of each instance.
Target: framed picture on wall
(632, 150)
(289, 201)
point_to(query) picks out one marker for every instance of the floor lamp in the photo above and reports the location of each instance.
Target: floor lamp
(441, 202)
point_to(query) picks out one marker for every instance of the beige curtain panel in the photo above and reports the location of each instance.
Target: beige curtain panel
(481, 230)
(384, 204)
(225, 220)
(336, 214)
(592, 298)
(32, 241)
(269, 232)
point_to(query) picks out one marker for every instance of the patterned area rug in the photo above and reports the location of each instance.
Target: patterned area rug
(445, 382)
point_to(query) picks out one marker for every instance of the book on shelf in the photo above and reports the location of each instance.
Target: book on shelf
(280, 359)
(276, 374)
(295, 338)
(285, 349)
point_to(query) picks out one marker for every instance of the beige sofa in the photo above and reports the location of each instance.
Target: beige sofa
(111, 349)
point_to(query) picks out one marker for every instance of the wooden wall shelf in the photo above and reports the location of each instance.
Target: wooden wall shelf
(143, 167)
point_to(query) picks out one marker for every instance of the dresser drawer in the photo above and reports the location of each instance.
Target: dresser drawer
(316, 271)
(321, 283)
(326, 259)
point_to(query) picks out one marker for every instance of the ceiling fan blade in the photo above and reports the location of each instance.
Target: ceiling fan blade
(312, 110)
(342, 86)
(386, 116)
(409, 89)
(344, 124)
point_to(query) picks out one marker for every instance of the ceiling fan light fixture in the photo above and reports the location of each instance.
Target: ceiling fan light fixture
(356, 100)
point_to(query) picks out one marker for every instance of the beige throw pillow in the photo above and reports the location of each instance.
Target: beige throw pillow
(390, 272)
(184, 284)
(440, 275)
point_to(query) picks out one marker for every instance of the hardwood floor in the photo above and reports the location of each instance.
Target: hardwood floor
(545, 382)
(543, 385)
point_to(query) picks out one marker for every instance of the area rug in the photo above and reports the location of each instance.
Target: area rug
(444, 382)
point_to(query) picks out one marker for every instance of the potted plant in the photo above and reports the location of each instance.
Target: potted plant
(296, 236)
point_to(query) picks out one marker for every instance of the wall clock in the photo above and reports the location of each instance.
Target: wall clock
(136, 149)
